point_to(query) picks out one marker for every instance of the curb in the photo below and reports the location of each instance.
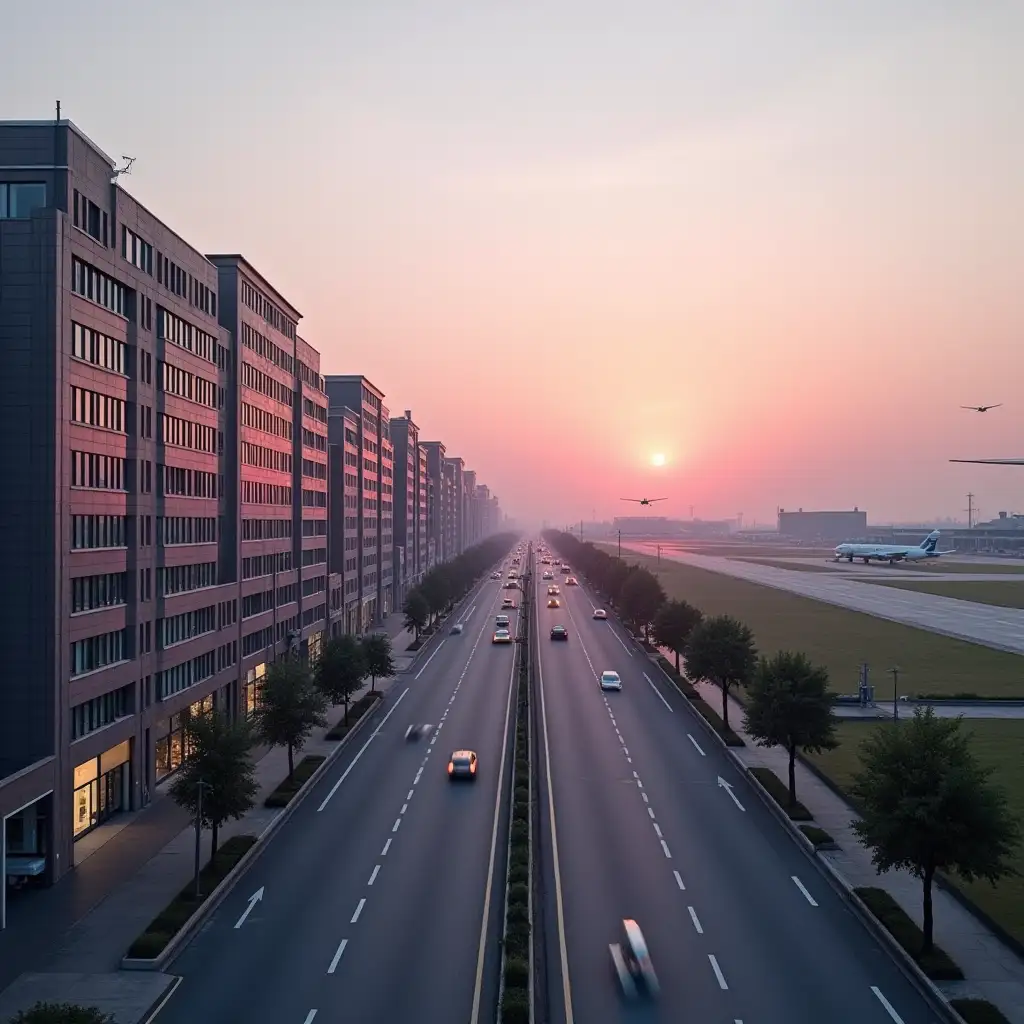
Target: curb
(162, 1000)
(228, 882)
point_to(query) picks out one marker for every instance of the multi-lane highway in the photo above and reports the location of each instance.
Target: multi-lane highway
(652, 821)
(375, 891)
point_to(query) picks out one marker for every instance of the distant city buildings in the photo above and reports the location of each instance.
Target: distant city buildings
(187, 496)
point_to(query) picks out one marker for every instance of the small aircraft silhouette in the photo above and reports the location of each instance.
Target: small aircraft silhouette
(644, 501)
(981, 408)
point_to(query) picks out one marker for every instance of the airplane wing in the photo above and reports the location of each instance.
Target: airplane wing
(992, 462)
(637, 500)
(657, 499)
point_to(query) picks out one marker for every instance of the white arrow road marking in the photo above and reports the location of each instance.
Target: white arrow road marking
(253, 900)
(727, 786)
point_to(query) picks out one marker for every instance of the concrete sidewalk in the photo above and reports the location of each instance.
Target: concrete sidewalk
(991, 969)
(84, 924)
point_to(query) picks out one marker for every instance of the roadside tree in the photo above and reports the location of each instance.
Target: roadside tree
(290, 707)
(341, 669)
(789, 705)
(642, 596)
(673, 624)
(927, 805)
(416, 611)
(377, 655)
(721, 651)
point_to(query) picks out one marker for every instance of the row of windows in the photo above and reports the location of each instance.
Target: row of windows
(260, 419)
(180, 579)
(89, 532)
(314, 556)
(314, 499)
(257, 604)
(89, 217)
(20, 199)
(314, 411)
(266, 385)
(314, 470)
(99, 472)
(266, 529)
(188, 434)
(258, 640)
(227, 613)
(186, 529)
(309, 376)
(314, 527)
(187, 483)
(95, 652)
(105, 590)
(187, 336)
(99, 349)
(254, 492)
(310, 439)
(97, 410)
(188, 673)
(94, 285)
(175, 628)
(138, 252)
(265, 565)
(171, 276)
(102, 710)
(266, 458)
(314, 586)
(317, 614)
(260, 304)
(176, 381)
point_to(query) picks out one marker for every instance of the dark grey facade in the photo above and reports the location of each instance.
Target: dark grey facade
(436, 504)
(344, 530)
(454, 468)
(410, 505)
(128, 495)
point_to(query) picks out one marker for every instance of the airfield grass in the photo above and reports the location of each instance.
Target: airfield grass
(997, 743)
(940, 566)
(791, 566)
(747, 550)
(841, 640)
(1001, 593)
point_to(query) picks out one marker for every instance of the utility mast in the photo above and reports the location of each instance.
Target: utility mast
(970, 511)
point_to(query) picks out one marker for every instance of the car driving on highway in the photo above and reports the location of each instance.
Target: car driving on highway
(462, 765)
(632, 962)
(501, 622)
(501, 636)
(610, 680)
(600, 613)
(553, 602)
(559, 633)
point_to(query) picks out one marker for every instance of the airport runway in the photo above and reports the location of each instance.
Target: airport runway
(1001, 628)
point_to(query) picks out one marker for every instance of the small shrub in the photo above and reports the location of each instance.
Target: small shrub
(61, 1013)
(519, 893)
(520, 832)
(515, 1006)
(518, 874)
(779, 792)
(518, 914)
(522, 792)
(517, 972)
(816, 835)
(978, 1011)
(517, 939)
(936, 963)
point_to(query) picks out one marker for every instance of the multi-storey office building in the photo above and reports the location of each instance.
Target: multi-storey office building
(355, 392)
(344, 528)
(126, 516)
(410, 506)
(455, 468)
(424, 544)
(470, 511)
(436, 521)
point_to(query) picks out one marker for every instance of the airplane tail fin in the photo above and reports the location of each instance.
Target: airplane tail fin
(931, 542)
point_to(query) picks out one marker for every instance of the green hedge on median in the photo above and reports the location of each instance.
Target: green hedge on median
(978, 1011)
(515, 1005)
(779, 792)
(935, 963)
(356, 710)
(152, 942)
(282, 796)
(61, 1013)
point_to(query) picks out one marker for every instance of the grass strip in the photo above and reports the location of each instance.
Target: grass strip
(936, 963)
(282, 796)
(356, 710)
(818, 836)
(705, 710)
(779, 792)
(152, 942)
(978, 1011)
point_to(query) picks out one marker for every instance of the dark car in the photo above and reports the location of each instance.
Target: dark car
(559, 633)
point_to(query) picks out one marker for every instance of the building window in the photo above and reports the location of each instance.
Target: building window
(99, 349)
(172, 745)
(96, 652)
(187, 336)
(189, 673)
(90, 532)
(97, 472)
(101, 711)
(93, 409)
(94, 285)
(136, 251)
(19, 200)
(102, 788)
(105, 590)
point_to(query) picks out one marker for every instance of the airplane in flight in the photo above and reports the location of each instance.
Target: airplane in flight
(644, 501)
(891, 553)
(981, 408)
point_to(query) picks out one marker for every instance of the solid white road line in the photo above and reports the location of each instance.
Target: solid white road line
(800, 886)
(697, 745)
(336, 960)
(888, 1006)
(661, 696)
(387, 846)
(359, 910)
(482, 945)
(696, 923)
(362, 750)
(373, 877)
(433, 654)
(679, 881)
(718, 973)
(309, 1017)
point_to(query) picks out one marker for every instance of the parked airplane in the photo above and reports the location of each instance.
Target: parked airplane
(891, 553)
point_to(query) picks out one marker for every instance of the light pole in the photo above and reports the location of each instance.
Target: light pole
(895, 704)
(620, 543)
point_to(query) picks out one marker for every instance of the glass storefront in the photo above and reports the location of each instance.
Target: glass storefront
(102, 787)
(314, 647)
(253, 682)
(171, 741)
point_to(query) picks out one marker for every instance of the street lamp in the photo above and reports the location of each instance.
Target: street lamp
(895, 704)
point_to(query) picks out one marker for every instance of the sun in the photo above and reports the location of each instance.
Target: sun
(658, 459)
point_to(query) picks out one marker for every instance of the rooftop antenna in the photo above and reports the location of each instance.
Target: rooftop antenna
(127, 169)
(58, 110)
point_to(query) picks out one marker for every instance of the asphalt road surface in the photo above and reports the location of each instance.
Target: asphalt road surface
(375, 890)
(740, 925)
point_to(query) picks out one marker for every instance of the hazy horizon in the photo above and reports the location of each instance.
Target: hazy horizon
(777, 242)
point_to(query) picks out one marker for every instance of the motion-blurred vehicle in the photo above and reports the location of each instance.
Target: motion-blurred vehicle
(554, 603)
(600, 613)
(501, 622)
(553, 591)
(508, 603)
(632, 961)
(571, 581)
(417, 732)
(547, 576)
(559, 633)
(501, 636)
(495, 575)
(610, 680)
(462, 765)
(456, 629)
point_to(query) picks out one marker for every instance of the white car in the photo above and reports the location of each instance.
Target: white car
(610, 680)
(600, 613)
(548, 576)
(501, 636)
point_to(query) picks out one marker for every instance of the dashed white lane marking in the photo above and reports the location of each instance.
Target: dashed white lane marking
(679, 881)
(718, 973)
(888, 1006)
(625, 750)
(650, 810)
(697, 745)
(359, 910)
(398, 821)
(335, 961)
(405, 807)
(664, 846)
(418, 774)
(373, 877)
(802, 888)
(430, 659)
(661, 696)
(408, 796)
(309, 1017)
(387, 846)
(696, 923)
(657, 830)
(644, 795)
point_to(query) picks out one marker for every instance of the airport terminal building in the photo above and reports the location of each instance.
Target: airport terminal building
(823, 527)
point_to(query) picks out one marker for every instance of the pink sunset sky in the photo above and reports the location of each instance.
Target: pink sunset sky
(778, 242)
